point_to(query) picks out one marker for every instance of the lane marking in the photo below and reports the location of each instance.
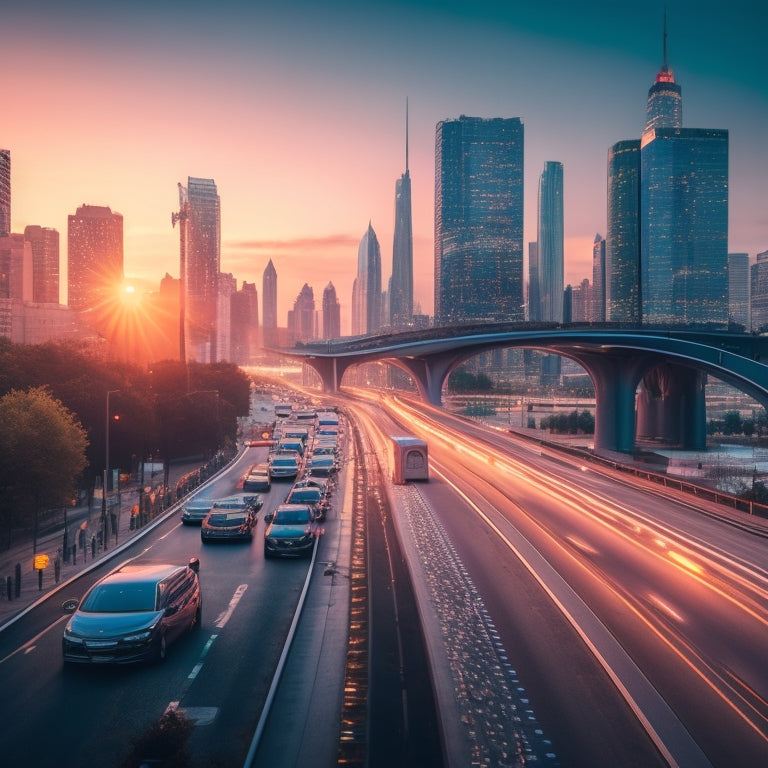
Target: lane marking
(223, 618)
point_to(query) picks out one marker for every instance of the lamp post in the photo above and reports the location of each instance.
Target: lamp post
(104, 509)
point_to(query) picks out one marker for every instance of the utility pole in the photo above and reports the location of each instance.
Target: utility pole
(181, 216)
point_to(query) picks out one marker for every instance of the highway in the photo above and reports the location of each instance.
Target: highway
(636, 623)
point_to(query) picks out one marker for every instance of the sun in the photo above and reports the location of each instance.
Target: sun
(129, 296)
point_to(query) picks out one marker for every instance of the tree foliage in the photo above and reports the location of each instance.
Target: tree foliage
(43, 448)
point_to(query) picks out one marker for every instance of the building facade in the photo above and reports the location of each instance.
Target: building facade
(302, 319)
(45, 263)
(5, 192)
(758, 287)
(331, 313)
(551, 238)
(738, 289)
(269, 308)
(597, 314)
(478, 262)
(95, 260)
(244, 324)
(401, 284)
(366, 292)
(203, 254)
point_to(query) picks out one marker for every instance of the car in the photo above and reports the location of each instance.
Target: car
(194, 510)
(325, 449)
(257, 478)
(321, 466)
(133, 614)
(312, 495)
(228, 525)
(290, 531)
(284, 466)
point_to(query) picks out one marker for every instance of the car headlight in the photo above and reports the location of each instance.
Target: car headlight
(70, 637)
(139, 636)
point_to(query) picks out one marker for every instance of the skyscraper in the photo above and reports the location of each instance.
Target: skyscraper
(664, 106)
(478, 220)
(95, 258)
(622, 243)
(401, 285)
(245, 324)
(534, 299)
(302, 319)
(738, 289)
(269, 299)
(759, 293)
(203, 266)
(366, 294)
(45, 263)
(331, 313)
(550, 228)
(5, 192)
(597, 314)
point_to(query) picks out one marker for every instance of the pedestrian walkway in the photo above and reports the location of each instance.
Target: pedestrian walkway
(23, 583)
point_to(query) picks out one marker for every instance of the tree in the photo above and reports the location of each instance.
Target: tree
(43, 448)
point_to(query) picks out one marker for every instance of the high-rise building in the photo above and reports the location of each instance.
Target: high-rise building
(45, 263)
(95, 259)
(684, 226)
(550, 228)
(331, 313)
(302, 319)
(664, 107)
(244, 324)
(5, 192)
(222, 342)
(534, 300)
(759, 293)
(401, 284)
(269, 300)
(738, 289)
(203, 253)
(15, 269)
(597, 314)
(622, 243)
(479, 220)
(366, 293)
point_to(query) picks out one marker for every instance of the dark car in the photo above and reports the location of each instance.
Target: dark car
(133, 614)
(257, 478)
(290, 531)
(228, 525)
(194, 510)
(321, 466)
(312, 495)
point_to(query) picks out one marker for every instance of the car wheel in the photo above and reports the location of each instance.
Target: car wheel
(161, 649)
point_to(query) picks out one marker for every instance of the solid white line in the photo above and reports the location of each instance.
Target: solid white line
(223, 618)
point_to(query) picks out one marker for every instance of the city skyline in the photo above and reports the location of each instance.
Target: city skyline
(300, 123)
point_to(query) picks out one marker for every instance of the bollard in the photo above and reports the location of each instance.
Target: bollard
(17, 573)
(39, 579)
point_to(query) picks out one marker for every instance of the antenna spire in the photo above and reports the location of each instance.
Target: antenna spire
(665, 67)
(406, 134)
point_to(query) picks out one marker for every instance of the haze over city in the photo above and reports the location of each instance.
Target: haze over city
(297, 111)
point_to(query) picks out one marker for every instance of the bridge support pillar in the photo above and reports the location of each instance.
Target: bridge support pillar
(671, 407)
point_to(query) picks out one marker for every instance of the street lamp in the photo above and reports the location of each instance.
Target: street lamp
(106, 472)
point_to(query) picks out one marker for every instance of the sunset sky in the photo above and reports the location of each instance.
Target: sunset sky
(297, 110)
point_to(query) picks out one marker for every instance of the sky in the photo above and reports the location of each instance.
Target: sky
(297, 110)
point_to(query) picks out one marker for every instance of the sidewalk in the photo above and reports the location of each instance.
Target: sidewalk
(18, 562)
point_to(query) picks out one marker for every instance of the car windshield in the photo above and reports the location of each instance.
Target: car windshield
(121, 598)
(306, 494)
(226, 519)
(284, 462)
(292, 517)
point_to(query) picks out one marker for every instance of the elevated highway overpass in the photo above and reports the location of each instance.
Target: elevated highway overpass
(669, 366)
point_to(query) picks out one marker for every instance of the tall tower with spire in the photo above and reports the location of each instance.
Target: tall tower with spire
(269, 305)
(401, 286)
(664, 108)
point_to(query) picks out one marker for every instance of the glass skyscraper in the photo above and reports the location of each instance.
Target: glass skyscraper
(45, 263)
(203, 266)
(366, 293)
(401, 284)
(684, 226)
(5, 192)
(478, 220)
(550, 237)
(269, 305)
(622, 243)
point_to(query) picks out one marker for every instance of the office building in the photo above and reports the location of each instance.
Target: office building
(269, 305)
(597, 314)
(478, 263)
(302, 319)
(203, 253)
(45, 263)
(758, 286)
(5, 192)
(95, 260)
(622, 242)
(244, 324)
(534, 300)
(366, 291)
(331, 313)
(738, 289)
(551, 238)
(401, 284)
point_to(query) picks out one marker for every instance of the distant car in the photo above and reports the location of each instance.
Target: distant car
(257, 478)
(290, 531)
(321, 466)
(228, 525)
(133, 614)
(193, 513)
(325, 449)
(312, 495)
(284, 466)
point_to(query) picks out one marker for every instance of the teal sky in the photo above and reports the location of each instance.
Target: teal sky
(297, 110)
